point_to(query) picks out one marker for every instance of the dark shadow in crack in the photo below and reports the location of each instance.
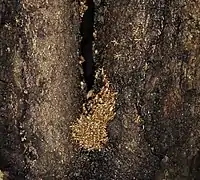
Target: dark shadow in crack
(86, 50)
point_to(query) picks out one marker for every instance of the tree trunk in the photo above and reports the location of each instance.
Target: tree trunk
(40, 93)
(141, 118)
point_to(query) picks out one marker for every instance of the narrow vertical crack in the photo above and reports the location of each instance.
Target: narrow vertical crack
(86, 49)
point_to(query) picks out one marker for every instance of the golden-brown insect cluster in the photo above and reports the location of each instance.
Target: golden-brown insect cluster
(90, 129)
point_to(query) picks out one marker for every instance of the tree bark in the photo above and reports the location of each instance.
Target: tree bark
(40, 96)
(149, 53)
(150, 50)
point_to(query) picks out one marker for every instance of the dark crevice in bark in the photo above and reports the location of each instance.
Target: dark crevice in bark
(86, 49)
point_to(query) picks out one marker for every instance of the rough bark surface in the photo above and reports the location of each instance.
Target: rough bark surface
(39, 96)
(149, 51)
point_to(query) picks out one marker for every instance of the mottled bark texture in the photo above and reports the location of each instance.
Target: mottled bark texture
(149, 50)
(39, 94)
